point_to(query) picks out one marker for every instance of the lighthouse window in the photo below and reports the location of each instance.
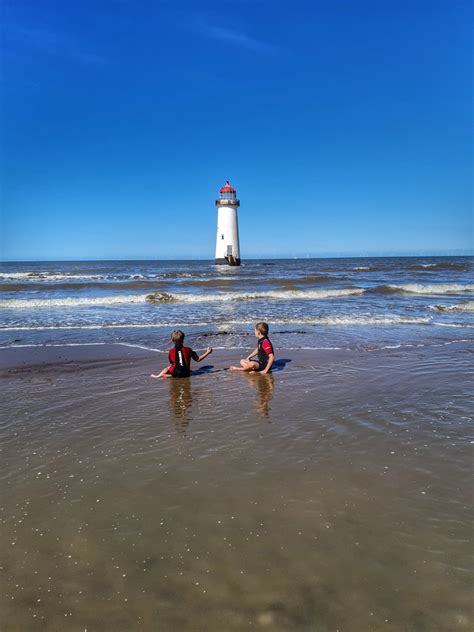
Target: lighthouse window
(222, 236)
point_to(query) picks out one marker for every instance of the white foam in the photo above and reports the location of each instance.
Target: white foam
(165, 297)
(468, 306)
(83, 344)
(60, 344)
(48, 276)
(35, 277)
(20, 303)
(215, 348)
(455, 325)
(351, 319)
(17, 275)
(103, 326)
(348, 320)
(435, 288)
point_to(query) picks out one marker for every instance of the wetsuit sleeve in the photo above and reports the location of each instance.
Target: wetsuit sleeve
(267, 347)
(194, 356)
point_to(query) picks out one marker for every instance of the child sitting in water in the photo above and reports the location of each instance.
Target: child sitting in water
(180, 358)
(262, 358)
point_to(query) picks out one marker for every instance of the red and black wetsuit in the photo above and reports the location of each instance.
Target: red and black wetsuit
(180, 360)
(265, 347)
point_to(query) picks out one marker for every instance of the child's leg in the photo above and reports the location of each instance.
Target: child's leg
(164, 373)
(245, 365)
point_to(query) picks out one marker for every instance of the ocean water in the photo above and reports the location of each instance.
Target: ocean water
(309, 303)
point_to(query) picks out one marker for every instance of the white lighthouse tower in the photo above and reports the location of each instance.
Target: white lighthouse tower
(227, 240)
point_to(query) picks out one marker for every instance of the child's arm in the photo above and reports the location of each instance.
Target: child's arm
(254, 353)
(271, 359)
(204, 355)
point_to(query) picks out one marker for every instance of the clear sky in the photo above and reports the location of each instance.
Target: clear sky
(345, 125)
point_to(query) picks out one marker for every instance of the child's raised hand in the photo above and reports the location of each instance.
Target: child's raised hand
(209, 350)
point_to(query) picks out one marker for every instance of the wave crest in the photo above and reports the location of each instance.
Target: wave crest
(165, 297)
(341, 320)
(468, 306)
(445, 265)
(20, 303)
(418, 288)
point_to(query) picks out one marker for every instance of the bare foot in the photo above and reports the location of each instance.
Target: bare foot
(235, 368)
(153, 375)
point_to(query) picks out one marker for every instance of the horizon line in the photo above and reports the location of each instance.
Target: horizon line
(460, 253)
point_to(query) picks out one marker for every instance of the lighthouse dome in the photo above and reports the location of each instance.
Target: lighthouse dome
(227, 188)
(227, 192)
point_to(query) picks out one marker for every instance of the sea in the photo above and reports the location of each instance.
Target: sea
(358, 303)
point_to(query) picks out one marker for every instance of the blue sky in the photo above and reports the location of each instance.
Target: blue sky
(346, 127)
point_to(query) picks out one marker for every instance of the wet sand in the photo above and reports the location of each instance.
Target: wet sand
(334, 494)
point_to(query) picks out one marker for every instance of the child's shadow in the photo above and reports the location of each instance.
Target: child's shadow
(280, 364)
(203, 370)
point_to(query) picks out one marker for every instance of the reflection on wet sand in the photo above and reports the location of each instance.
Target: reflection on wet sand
(180, 402)
(263, 384)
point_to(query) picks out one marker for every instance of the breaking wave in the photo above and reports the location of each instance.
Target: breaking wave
(150, 282)
(71, 302)
(468, 306)
(271, 295)
(341, 320)
(344, 319)
(55, 277)
(418, 288)
(445, 265)
(165, 297)
(76, 285)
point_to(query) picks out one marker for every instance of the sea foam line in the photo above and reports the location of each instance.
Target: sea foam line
(103, 326)
(82, 344)
(328, 321)
(467, 306)
(166, 297)
(233, 348)
(20, 303)
(434, 288)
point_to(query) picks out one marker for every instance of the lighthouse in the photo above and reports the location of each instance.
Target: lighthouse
(227, 240)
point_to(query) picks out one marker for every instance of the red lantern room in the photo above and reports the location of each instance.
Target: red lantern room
(227, 192)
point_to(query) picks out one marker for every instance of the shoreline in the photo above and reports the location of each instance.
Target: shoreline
(74, 356)
(20, 358)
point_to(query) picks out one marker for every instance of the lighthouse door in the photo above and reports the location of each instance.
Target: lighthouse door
(229, 251)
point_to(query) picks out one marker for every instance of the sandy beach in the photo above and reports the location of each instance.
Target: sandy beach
(332, 495)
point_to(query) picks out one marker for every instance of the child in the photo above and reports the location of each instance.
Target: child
(264, 352)
(180, 358)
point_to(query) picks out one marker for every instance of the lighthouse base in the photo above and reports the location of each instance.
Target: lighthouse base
(228, 261)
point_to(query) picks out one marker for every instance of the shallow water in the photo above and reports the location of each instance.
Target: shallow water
(333, 495)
